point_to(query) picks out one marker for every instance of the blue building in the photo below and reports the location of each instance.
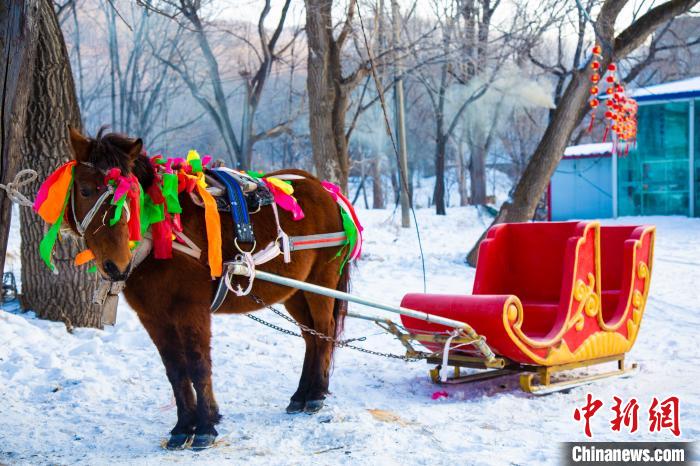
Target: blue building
(661, 176)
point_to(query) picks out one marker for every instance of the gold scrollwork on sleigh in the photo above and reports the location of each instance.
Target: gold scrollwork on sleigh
(588, 302)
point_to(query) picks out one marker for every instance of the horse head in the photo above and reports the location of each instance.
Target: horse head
(103, 170)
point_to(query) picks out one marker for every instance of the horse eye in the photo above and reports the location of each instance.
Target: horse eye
(86, 192)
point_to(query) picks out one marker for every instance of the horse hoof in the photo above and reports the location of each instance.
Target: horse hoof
(313, 406)
(203, 441)
(295, 407)
(178, 441)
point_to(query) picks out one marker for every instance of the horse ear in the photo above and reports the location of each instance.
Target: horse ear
(79, 143)
(135, 149)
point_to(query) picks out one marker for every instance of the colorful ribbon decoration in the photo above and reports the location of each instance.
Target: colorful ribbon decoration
(161, 206)
(282, 192)
(50, 204)
(126, 188)
(53, 192)
(351, 224)
(159, 209)
(84, 257)
(213, 224)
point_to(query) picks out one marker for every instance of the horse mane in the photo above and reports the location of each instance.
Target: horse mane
(109, 150)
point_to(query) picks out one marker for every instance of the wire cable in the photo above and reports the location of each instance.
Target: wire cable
(403, 177)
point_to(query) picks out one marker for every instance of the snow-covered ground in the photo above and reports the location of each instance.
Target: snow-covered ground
(98, 397)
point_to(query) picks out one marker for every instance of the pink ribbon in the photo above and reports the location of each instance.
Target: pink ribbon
(285, 201)
(128, 186)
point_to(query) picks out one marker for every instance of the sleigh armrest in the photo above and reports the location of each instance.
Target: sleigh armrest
(489, 315)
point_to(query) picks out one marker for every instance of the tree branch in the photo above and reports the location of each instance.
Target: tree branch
(632, 37)
(347, 26)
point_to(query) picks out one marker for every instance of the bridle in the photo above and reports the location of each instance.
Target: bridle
(82, 225)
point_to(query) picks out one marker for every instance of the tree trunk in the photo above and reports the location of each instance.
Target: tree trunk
(247, 132)
(462, 179)
(377, 188)
(52, 106)
(327, 98)
(477, 175)
(439, 192)
(17, 44)
(395, 185)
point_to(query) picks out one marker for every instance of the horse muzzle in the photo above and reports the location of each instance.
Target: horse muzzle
(113, 272)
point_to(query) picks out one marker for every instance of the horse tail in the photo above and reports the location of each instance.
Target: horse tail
(340, 307)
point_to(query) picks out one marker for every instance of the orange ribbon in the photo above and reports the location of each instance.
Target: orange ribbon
(54, 198)
(213, 222)
(84, 257)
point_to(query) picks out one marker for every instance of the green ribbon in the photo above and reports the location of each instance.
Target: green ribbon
(118, 208)
(196, 165)
(255, 174)
(150, 213)
(170, 193)
(351, 234)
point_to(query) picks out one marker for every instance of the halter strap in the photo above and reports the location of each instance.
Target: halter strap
(83, 225)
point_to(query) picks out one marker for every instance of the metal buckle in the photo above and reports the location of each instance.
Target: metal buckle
(235, 243)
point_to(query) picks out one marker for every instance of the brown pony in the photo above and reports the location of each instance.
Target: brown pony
(172, 297)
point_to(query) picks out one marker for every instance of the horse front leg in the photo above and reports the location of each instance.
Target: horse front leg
(196, 335)
(169, 344)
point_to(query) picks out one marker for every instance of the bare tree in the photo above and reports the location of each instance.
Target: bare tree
(467, 47)
(18, 20)
(239, 144)
(519, 139)
(144, 87)
(572, 106)
(329, 88)
(52, 106)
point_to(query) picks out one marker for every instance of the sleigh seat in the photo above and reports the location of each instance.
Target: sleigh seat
(549, 294)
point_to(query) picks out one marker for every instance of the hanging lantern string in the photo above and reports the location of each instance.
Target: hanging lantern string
(620, 116)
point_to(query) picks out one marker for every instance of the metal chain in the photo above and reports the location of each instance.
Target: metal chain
(336, 343)
(272, 326)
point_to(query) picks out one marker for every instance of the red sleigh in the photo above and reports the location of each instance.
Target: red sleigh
(547, 298)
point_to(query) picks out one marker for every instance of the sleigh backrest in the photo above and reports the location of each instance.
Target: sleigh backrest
(618, 247)
(529, 260)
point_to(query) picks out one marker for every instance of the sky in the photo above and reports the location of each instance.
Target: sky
(249, 10)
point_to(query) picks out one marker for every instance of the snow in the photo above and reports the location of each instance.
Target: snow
(668, 90)
(598, 148)
(101, 397)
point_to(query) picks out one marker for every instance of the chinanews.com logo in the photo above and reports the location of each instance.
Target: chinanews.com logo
(658, 415)
(602, 453)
